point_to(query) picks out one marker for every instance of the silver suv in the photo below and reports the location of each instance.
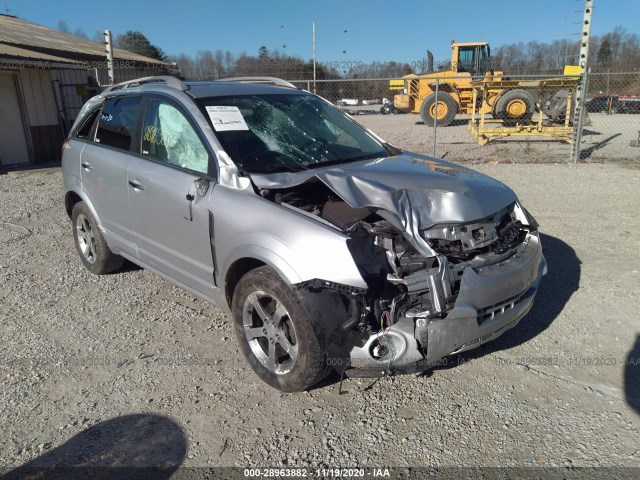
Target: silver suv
(330, 248)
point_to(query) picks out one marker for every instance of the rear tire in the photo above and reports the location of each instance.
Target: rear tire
(276, 334)
(91, 245)
(515, 105)
(447, 109)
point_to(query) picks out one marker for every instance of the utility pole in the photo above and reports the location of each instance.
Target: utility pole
(109, 45)
(581, 89)
(313, 33)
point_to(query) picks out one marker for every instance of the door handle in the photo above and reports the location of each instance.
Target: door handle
(136, 184)
(86, 165)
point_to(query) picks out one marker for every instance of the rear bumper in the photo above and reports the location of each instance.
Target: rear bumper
(492, 299)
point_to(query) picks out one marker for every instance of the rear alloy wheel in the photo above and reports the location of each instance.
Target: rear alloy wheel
(515, 105)
(91, 245)
(275, 332)
(445, 110)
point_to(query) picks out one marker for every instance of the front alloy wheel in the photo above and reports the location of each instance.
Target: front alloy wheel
(270, 332)
(275, 332)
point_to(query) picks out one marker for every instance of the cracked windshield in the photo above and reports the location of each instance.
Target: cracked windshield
(286, 133)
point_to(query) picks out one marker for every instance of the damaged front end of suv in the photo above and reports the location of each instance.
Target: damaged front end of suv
(450, 257)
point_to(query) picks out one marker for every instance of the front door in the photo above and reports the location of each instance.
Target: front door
(169, 193)
(13, 143)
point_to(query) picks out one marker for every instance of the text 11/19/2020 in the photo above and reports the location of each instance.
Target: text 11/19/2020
(278, 473)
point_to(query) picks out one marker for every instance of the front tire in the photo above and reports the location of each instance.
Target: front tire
(445, 111)
(275, 332)
(91, 245)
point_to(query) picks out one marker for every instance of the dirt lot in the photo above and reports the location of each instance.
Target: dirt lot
(125, 368)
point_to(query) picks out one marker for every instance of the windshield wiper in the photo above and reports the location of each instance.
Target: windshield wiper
(273, 169)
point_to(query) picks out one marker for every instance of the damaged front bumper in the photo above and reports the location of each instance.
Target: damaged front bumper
(493, 294)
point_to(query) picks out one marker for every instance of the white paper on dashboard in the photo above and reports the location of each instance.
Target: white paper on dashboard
(226, 118)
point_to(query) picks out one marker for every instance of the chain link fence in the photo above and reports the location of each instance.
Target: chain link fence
(611, 126)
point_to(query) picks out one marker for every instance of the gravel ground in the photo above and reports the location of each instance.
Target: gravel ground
(162, 369)
(606, 138)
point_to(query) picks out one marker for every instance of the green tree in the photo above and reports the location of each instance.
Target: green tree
(137, 42)
(604, 52)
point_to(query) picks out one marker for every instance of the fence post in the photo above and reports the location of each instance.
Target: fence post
(581, 89)
(435, 118)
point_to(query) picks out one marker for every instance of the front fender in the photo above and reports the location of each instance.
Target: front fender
(447, 88)
(305, 257)
(269, 257)
(298, 247)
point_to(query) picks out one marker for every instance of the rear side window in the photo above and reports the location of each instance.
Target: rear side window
(118, 122)
(85, 129)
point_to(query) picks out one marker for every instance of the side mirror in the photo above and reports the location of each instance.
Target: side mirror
(202, 186)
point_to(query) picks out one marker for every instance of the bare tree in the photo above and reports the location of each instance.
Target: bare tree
(186, 66)
(618, 50)
(206, 65)
(229, 62)
(63, 27)
(80, 33)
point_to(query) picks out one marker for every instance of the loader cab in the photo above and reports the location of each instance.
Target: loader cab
(474, 58)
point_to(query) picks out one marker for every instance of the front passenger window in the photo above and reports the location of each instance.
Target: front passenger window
(168, 136)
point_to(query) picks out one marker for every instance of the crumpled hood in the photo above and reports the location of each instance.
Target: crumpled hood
(419, 191)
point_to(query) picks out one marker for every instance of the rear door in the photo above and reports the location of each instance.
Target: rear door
(169, 192)
(103, 172)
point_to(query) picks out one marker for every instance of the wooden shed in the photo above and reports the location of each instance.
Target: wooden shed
(45, 77)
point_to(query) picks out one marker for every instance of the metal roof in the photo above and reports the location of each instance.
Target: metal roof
(21, 53)
(10, 51)
(43, 41)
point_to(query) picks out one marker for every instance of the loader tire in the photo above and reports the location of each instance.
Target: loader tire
(446, 110)
(515, 105)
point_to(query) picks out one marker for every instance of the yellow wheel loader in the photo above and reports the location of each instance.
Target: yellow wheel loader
(470, 61)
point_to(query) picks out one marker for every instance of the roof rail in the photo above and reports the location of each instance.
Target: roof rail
(169, 81)
(276, 81)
